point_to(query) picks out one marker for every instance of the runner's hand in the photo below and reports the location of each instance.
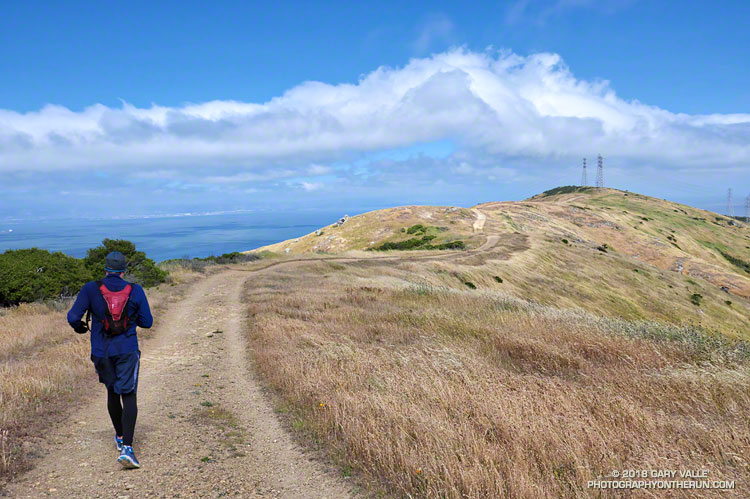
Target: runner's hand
(80, 327)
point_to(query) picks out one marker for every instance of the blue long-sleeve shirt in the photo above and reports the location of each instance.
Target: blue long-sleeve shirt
(103, 344)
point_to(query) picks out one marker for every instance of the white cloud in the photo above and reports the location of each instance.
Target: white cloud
(311, 186)
(491, 105)
(244, 177)
(319, 170)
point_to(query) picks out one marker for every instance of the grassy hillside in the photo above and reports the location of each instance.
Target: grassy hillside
(610, 252)
(421, 385)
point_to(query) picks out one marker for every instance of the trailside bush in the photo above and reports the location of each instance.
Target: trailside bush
(28, 275)
(419, 243)
(141, 270)
(197, 264)
(412, 243)
(233, 257)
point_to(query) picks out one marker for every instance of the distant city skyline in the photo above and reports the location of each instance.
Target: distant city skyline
(179, 107)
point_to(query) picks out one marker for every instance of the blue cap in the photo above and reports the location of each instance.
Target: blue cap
(115, 262)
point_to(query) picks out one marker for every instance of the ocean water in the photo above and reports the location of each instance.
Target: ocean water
(165, 237)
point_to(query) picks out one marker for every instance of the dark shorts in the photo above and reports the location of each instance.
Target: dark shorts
(119, 372)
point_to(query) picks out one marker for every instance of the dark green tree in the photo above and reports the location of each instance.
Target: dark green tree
(33, 274)
(141, 269)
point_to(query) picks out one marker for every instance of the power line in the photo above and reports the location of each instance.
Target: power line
(730, 208)
(584, 177)
(600, 171)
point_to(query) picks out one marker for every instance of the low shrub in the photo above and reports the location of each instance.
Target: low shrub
(233, 257)
(419, 243)
(566, 189)
(197, 264)
(737, 262)
(34, 274)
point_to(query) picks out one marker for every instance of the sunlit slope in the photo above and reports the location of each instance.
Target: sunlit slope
(607, 251)
(670, 236)
(376, 227)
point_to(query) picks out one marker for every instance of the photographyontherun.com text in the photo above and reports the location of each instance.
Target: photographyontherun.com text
(660, 479)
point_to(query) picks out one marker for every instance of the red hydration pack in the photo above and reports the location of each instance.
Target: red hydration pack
(116, 319)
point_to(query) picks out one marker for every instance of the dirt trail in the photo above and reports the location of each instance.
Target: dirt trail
(490, 243)
(479, 222)
(239, 449)
(478, 226)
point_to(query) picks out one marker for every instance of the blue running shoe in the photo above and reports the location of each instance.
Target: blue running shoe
(118, 442)
(127, 457)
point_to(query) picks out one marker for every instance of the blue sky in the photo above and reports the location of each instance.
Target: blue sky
(190, 106)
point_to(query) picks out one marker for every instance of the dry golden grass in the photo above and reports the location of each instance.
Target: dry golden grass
(45, 370)
(658, 254)
(440, 392)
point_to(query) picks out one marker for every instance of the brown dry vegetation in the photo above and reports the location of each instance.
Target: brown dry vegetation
(436, 391)
(45, 369)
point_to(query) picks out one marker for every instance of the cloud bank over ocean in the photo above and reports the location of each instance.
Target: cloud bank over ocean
(502, 114)
(502, 104)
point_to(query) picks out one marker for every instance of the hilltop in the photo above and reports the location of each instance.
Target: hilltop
(608, 251)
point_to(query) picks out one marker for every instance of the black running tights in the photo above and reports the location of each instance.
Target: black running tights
(123, 415)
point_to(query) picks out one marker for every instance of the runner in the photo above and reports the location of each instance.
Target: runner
(117, 307)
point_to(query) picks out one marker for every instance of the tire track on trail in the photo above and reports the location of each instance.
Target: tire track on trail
(205, 428)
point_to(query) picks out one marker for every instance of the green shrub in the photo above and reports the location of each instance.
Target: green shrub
(470, 285)
(199, 264)
(419, 243)
(400, 245)
(141, 270)
(497, 278)
(696, 298)
(234, 257)
(565, 241)
(449, 245)
(28, 275)
(566, 189)
(416, 229)
(737, 262)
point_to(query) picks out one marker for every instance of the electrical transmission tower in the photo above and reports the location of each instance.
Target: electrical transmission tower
(747, 209)
(600, 171)
(584, 177)
(730, 208)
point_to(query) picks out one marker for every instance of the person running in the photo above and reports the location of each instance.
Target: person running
(117, 307)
